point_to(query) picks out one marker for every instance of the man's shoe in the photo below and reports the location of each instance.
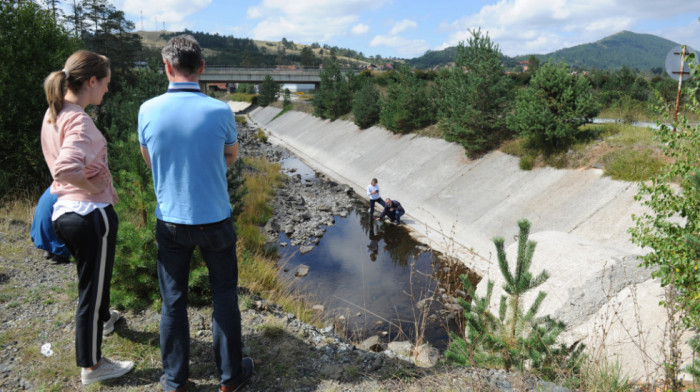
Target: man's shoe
(167, 389)
(106, 370)
(109, 325)
(247, 369)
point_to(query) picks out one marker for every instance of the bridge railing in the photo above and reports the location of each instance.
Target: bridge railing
(222, 68)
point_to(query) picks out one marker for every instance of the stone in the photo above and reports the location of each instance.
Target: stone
(305, 249)
(426, 356)
(302, 270)
(318, 308)
(371, 344)
(404, 348)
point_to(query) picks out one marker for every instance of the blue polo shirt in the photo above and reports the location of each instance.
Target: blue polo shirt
(185, 132)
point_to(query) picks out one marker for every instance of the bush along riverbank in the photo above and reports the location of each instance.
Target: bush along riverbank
(37, 303)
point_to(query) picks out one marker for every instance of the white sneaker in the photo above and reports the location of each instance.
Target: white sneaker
(109, 324)
(106, 370)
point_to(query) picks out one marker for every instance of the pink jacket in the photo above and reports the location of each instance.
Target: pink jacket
(74, 148)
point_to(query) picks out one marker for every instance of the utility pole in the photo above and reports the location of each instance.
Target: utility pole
(680, 86)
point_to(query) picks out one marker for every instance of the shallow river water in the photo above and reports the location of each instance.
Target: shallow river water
(372, 278)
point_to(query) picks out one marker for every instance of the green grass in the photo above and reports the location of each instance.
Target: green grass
(632, 165)
(241, 97)
(622, 134)
(285, 109)
(628, 153)
(515, 147)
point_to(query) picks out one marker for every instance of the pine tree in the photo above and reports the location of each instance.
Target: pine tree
(472, 100)
(333, 98)
(366, 106)
(515, 337)
(287, 99)
(549, 112)
(269, 91)
(406, 105)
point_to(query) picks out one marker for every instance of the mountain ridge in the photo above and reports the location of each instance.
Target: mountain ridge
(622, 49)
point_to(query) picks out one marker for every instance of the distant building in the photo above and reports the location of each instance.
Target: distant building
(525, 64)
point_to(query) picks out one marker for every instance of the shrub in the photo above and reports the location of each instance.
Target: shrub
(527, 162)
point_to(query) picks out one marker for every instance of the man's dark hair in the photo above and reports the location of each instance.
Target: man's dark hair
(184, 54)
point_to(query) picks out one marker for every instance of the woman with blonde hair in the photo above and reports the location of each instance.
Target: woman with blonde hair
(83, 217)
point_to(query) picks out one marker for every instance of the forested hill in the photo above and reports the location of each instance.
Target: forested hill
(640, 51)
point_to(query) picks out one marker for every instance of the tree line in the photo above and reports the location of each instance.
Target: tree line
(479, 105)
(35, 41)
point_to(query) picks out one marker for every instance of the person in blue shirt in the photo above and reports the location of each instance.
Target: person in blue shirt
(42, 233)
(187, 140)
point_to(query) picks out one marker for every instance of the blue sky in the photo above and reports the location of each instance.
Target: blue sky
(408, 28)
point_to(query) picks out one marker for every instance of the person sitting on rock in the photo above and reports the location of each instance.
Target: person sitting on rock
(393, 210)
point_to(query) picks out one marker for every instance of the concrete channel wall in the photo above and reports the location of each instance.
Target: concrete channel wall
(457, 205)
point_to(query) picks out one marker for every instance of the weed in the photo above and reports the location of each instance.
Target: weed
(526, 162)
(242, 120)
(559, 160)
(260, 135)
(516, 147)
(353, 372)
(632, 165)
(272, 330)
(241, 97)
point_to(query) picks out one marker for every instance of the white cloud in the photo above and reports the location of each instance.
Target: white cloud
(308, 20)
(684, 35)
(542, 26)
(360, 29)
(403, 25)
(404, 47)
(171, 12)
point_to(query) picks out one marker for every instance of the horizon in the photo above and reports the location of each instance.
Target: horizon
(408, 29)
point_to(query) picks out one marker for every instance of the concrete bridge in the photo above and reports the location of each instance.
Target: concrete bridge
(219, 74)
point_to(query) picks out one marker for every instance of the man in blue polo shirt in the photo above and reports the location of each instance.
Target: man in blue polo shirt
(188, 139)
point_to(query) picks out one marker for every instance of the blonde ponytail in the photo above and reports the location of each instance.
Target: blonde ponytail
(54, 87)
(79, 68)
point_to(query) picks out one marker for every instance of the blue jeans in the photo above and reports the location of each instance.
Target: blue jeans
(371, 205)
(217, 243)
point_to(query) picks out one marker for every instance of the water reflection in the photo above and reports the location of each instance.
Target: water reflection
(373, 278)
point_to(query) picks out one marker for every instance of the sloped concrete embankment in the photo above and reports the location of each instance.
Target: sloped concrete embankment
(457, 205)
